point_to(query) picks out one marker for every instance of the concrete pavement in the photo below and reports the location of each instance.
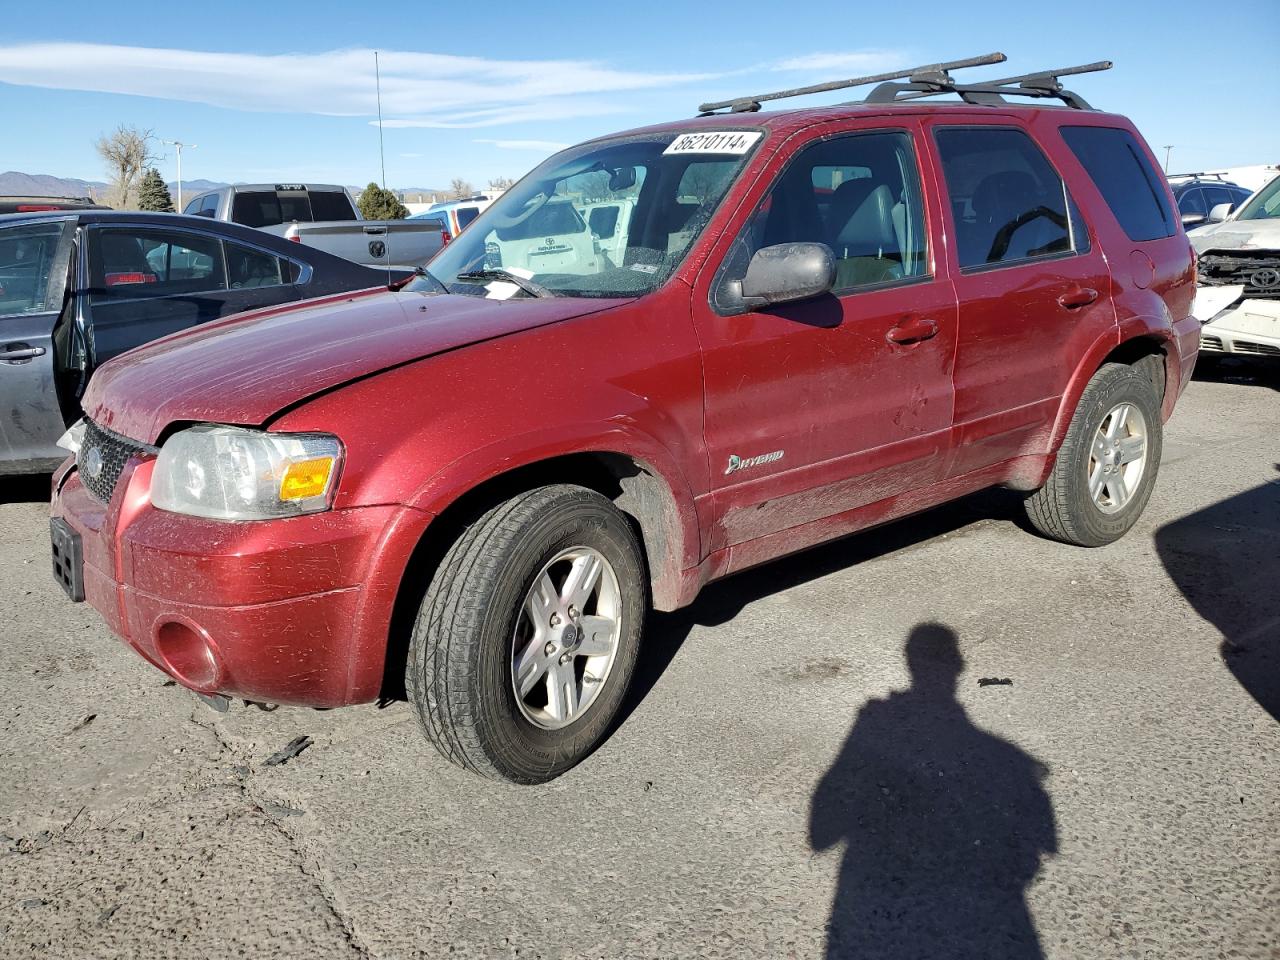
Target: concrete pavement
(782, 773)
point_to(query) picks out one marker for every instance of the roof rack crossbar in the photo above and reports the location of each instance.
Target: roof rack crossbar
(1042, 83)
(933, 71)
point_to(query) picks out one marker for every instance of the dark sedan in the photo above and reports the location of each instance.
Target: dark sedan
(79, 287)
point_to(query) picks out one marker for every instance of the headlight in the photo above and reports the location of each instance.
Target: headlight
(230, 473)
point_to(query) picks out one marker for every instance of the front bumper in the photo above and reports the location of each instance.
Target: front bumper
(1248, 328)
(293, 611)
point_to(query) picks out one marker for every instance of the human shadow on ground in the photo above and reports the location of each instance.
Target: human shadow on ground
(944, 825)
(1225, 559)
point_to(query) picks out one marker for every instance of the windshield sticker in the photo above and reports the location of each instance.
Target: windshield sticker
(716, 141)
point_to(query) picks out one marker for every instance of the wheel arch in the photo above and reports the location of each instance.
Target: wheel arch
(660, 511)
(1148, 351)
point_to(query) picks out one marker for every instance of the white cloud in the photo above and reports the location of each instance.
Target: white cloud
(418, 89)
(850, 62)
(542, 146)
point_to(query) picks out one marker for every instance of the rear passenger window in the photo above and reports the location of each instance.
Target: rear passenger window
(127, 263)
(858, 194)
(1008, 202)
(465, 215)
(1125, 178)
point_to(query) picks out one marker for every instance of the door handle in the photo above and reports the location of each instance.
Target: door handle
(20, 353)
(912, 330)
(1077, 297)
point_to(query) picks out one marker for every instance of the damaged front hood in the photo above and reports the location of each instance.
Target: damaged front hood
(245, 369)
(1237, 235)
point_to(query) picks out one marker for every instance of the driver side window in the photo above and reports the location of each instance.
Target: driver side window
(858, 194)
(1008, 203)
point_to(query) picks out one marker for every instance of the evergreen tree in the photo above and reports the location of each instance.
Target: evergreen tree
(153, 195)
(378, 204)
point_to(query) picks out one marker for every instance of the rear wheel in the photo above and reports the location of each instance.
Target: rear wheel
(1107, 465)
(528, 635)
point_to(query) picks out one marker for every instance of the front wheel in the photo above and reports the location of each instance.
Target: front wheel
(528, 635)
(1107, 466)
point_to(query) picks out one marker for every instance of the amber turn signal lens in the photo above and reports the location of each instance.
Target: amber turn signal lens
(306, 478)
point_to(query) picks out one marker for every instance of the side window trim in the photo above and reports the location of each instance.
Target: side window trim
(910, 134)
(1075, 217)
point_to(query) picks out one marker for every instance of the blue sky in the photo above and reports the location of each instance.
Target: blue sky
(285, 91)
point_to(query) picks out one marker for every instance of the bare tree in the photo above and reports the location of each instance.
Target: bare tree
(127, 154)
(501, 183)
(459, 188)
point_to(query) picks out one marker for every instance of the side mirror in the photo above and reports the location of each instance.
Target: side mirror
(1190, 220)
(1220, 212)
(783, 273)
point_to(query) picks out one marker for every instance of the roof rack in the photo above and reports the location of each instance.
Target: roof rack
(932, 80)
(1196, 176)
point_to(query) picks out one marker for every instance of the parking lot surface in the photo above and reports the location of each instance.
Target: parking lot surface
(812, 761)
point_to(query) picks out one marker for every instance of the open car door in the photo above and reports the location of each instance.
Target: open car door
(34, 259)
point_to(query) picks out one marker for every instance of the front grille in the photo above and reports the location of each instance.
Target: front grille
(1210, 343)
(1257, 349)
(1258, 272)
(102, 457)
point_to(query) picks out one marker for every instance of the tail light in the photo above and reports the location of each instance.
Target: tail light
(35, 207)
(296, 239)
(445, 238)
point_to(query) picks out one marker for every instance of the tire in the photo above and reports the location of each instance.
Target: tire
(478, 616)
(1066, 508)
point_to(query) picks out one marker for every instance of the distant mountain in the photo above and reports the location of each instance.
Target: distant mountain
(15, 184)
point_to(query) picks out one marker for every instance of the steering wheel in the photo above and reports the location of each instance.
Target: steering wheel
(1004, 236)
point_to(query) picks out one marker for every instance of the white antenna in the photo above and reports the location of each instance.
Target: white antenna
(179, 144)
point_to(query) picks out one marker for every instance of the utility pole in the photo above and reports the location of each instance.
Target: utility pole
(179, 145)
(1168, 149)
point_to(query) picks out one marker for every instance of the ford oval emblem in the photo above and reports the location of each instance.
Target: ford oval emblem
(93, 463)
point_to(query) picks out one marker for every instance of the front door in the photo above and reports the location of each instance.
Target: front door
(821, 406)
(146, 282)
(34, 260)
(1034, 291)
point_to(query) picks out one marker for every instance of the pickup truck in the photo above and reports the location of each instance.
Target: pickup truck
(471, 490)
(324, 216)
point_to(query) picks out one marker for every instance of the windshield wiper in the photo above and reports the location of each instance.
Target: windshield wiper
(418, 272)
(531, 287)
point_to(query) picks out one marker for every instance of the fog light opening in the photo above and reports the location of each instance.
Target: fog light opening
(188, 656)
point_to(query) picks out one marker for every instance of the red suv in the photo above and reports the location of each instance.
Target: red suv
(478, 484)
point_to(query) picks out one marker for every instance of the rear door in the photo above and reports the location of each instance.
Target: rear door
(146, 282)
(34, 264)
(1033, 289)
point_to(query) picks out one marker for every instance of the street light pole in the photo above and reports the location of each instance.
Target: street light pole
(1168, 149)
(179, 145)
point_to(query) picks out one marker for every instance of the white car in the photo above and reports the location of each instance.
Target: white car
(1238, 299)
(552, 238)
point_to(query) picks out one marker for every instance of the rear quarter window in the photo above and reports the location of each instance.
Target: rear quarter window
(1125, 178)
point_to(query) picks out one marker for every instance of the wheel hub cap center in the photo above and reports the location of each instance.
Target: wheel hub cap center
(570, 638)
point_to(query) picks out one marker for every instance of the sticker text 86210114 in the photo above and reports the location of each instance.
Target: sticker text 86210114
(734, 142)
